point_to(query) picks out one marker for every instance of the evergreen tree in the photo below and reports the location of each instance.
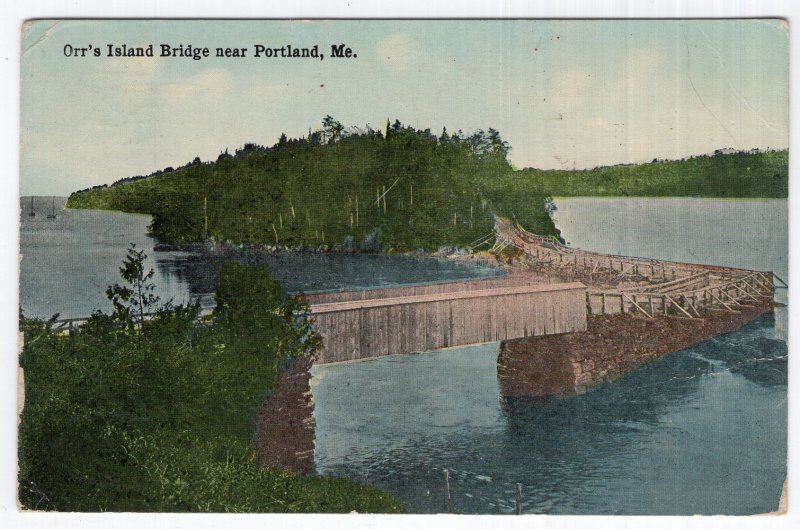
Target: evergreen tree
(136, 296)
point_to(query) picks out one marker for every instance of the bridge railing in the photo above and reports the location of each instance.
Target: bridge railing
(64, 325)
(674, 287)
(727, 296)
(550, 251)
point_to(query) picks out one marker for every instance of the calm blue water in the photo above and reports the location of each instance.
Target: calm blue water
(68, 262)
(701, 431)
(749, 233)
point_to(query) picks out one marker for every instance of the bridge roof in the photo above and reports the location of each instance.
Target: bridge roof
(443, 296)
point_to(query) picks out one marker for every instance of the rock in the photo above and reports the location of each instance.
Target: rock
(285, 430)
(570, 364)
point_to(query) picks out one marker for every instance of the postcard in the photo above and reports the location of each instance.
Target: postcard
(493, 267)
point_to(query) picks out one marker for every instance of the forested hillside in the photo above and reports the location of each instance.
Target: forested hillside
(399, 189)
(729, 175)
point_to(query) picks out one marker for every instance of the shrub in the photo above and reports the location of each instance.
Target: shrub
(160, 418)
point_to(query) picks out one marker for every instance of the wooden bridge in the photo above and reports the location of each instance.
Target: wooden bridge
(361, 324)
(371, 323)
(645, 286)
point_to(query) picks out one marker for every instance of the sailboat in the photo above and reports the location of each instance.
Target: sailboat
(53, 214)
(32, 213)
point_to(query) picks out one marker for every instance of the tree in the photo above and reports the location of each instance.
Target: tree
(132, 299)
(478, 143)
(550, 206)
(256, 318)
(499, 147)
(332, 128)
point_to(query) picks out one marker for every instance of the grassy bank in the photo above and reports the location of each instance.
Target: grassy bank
(400, 189)
(731, 175)
(158, 415)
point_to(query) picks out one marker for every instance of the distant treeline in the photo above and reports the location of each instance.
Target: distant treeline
(400, 189)
(723, 174)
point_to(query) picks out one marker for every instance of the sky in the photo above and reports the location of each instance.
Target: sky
(564, 94)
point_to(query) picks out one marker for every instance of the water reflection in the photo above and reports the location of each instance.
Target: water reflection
(639, 397)
(68, 262)
(311, 271)
(698, 431)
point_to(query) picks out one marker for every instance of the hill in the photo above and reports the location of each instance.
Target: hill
(402, 189)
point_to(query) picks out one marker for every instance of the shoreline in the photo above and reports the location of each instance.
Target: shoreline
(560, 365)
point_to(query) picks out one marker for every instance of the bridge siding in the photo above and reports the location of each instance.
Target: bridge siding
(369, 332)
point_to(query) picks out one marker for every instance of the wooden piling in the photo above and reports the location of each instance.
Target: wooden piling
(518, 509)
(446, 491)
(205, 217)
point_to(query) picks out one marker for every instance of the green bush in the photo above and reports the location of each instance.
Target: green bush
(161, 418)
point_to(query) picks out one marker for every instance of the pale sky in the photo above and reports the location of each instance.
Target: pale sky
(563, 93)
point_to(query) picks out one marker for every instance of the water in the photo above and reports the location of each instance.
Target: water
(749, 233)
(701, 431)
(68, 262)
(317, 272)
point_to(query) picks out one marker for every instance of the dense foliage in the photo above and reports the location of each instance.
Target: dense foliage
(161, 418)
(726, 175)
(401, 189)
